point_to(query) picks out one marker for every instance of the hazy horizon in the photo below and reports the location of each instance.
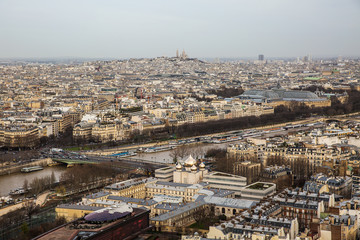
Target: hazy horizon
(240, 29)
(193, 57)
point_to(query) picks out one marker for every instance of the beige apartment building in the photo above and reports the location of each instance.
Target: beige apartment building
(104, 132)
(133, 188)
(65, 121)
(82, 131)
(316, 154)
(248, 169)
(19, 136)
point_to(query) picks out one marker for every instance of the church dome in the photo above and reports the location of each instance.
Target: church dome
(193, 168)
(178, 166)
(202, 165)
(190, 161)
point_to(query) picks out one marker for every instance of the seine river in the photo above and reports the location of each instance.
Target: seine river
(196, 150)
(16, 180)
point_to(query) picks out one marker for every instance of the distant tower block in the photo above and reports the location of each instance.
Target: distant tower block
(177, 53)
(261, 57)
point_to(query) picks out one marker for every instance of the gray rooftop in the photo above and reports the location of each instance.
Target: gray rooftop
(79, 207)
(97, 195)
(129, 183)
(178, 211)
(133, 200)
(169, 206)
(230, 202)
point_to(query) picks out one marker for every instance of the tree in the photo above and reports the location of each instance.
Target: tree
(226, 92)
(215, 153)
(223, 162)
(52, 178)
(302, 170)
(180, 152)
(25, 229)
(30, 208)
(61, 190)
(44, 140)
(197, 152)
(26, 185)
(201, 214)
(35, 186)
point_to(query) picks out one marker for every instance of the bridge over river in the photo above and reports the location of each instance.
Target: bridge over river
(129, 163)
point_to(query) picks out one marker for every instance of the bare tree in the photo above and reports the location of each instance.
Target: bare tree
(53, 179)
(30, 208)
(197, 151)
(302, 169)
(202, 214)
(179, 152)
(35, 185)
(26, 185)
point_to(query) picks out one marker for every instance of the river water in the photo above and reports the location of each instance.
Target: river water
(15, 180)
(196, 150)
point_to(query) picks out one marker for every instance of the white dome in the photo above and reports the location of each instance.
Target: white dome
(202, 165)
(193, 168)
(178, 166)
(190, 161)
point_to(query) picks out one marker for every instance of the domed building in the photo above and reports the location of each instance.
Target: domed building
(189, 162)
(189, 172)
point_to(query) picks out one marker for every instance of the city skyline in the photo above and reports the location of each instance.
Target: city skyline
(205, 29)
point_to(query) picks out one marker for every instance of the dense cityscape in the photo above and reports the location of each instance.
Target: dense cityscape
(180, 120)
(182, 147)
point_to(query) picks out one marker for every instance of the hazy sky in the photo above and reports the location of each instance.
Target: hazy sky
(204, 28)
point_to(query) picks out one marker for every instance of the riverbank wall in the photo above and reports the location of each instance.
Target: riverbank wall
(16, 168)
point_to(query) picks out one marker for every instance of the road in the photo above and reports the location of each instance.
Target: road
(124, 163)
(263, 132)
(191, 139)
(156, 159)
(11, 208)
(131, 162)
(40, 200)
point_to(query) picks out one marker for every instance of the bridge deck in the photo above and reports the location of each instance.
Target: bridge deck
(110, 159)
(73, 161)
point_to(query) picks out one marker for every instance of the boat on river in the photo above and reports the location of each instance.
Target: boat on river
(124, 154)
(18, 191)
(31, 169)
(158, 149)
